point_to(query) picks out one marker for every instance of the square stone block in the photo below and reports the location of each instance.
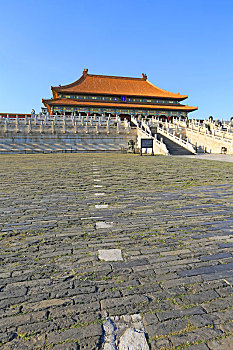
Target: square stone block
(103, 224)
(101, 206)
(110, 254)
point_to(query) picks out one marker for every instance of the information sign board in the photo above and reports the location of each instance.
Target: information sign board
(146, 143)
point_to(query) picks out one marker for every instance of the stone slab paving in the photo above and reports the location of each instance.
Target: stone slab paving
(170, 217)
(207, 156)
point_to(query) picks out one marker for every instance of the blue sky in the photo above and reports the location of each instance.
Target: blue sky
(183, 46)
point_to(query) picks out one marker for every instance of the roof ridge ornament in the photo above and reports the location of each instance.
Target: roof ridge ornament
(144, 76)
(85, 71)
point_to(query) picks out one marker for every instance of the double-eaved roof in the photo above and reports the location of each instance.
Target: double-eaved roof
(89, 84)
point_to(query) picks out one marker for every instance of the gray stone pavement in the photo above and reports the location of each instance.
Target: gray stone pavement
(170, 217)
(207, 156)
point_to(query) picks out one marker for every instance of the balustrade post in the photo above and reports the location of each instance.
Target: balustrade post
(76, 127)
(86, 128)
(118, 128)
(29, 126)
(53, 127)
(16, 124)
(107, 127)
(128, 128)
(41, 126)
(6, 126)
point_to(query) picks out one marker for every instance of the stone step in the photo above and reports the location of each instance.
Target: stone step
(174, 148)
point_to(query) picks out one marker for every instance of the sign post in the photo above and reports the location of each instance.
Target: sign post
(146, 143)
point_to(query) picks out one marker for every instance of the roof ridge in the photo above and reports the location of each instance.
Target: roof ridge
(83, 76)
(113, 76)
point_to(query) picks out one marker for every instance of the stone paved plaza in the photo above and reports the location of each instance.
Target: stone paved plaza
(169, 221)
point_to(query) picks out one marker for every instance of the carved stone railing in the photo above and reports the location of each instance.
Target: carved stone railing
(159, 146)
(223, 130)
(39, 123)
(214, 136)
(178, 140)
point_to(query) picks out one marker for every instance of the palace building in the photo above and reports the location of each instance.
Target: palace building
(122, 96)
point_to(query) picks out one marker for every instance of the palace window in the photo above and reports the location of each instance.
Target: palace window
(119, 98)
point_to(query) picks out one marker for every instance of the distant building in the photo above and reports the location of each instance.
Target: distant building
(123, 96)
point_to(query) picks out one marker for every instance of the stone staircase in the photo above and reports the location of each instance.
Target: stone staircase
(173, 148)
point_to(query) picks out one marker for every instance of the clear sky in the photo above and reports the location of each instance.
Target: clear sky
(184, 46)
